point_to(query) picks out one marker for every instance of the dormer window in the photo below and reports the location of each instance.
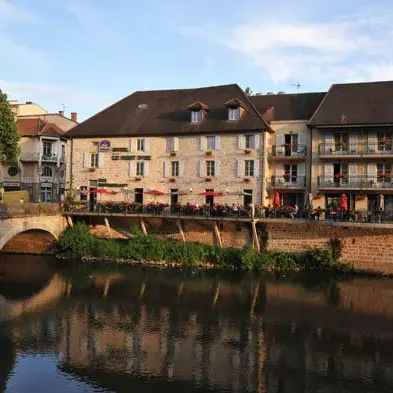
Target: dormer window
(196, 116)
(235, 109)
(233, 114)
(198, 110)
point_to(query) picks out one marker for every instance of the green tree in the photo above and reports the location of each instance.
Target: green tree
(9, 137)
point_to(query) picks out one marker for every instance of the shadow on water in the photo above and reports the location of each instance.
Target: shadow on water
(122, 328)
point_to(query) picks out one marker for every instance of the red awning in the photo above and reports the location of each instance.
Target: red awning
(212, 193)
(154, 192)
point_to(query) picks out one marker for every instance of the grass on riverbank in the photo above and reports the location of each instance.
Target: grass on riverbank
(78, 243)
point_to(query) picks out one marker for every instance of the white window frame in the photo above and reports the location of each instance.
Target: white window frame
(249, 168)
(233, 114)
(140, 168)
(210, 168)
(94, 160)
(211, 142)
(46, 192)
(47, 169)
(141, 144)
(175, 168)
(196, 116)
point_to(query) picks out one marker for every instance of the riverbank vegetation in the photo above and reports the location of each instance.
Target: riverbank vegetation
(78, 243)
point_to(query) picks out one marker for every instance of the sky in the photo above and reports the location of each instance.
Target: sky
(88, 54)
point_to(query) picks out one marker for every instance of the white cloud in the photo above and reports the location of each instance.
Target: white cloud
(53, 96)
(352, 46)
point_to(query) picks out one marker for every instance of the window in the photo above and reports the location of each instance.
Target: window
(341, 142)
(94, 160)
(47, 149)
(233, 114)
(47, 171)
(62, 152)
(196, 116)
(250, 141)
(175, 168)
(249, 168)
(290, 173)
(384, 172)
(140, 144)
(210, 168)
(140, 168)
(211, 142)
(13, 171)
(46, 194)
(384, 141)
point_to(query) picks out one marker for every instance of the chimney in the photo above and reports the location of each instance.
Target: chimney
(61, 113)
(74, 117)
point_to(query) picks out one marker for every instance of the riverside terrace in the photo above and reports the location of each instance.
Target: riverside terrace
(232, 212)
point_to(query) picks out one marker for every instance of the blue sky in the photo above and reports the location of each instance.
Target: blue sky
(87, 54)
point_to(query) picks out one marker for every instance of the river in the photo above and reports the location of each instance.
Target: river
(67, 327)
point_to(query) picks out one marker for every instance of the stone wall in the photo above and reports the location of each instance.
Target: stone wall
(367, 246)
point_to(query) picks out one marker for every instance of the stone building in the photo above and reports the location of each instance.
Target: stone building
(42, 166)
(201, 146)
(352, 147)
(288, 155)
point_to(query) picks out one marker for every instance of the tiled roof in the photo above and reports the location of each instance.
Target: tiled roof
(38, 127)
(281, 107)
(356, 104)
(166, 112)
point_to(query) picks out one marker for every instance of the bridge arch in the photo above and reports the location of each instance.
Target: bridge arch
(26, 228)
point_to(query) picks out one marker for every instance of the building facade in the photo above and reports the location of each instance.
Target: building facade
(197, 146)
(352, 147)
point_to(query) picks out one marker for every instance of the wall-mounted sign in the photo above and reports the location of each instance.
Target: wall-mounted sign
(121, 185)
(46, 184)
(130, 158)
(11, 184)
(104, 146)
(119, 149)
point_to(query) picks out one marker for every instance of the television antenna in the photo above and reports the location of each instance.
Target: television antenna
(297, 85)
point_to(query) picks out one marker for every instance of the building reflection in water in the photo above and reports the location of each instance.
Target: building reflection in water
(174, 332)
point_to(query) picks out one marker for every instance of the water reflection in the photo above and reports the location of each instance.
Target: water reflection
(123, 329)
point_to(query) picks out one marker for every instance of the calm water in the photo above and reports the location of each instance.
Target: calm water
(123, 329)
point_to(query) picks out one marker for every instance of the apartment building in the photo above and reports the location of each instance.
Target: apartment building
(199, 146)
(288, 156)
(352, 146)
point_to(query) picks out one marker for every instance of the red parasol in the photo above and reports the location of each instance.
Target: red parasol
(343, 205)
(212, 193)
(155, 192)
(276, 200)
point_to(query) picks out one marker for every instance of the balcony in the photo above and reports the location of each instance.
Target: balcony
(49, 158)
(355, 182)
(288, 182)
(29, 157)
(355, 150)
(290, 152)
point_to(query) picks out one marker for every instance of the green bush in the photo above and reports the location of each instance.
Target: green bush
(76, 242)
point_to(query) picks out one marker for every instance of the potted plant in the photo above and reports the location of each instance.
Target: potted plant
(173, 153)
(209, 152)
(208, 179)
(247, 179)
(92, 169)
(247, 151)
(138, 178)
(172, 179)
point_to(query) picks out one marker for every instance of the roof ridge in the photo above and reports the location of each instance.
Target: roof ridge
(186, 89)
(362, 83)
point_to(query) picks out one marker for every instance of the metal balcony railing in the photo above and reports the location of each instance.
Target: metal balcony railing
(354, 149)
(289, 151)
(288, 181)
(360, 182)
(29, 156)
(49, 157)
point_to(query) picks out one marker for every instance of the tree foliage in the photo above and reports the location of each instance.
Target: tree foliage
(9, 137)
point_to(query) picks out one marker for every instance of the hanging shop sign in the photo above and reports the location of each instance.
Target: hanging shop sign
(104, 146)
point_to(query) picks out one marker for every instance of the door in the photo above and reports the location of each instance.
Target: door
(138, 195)
(247, 197)
(209, 198)
(174, 196)
(340, 172)
(291, 144)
